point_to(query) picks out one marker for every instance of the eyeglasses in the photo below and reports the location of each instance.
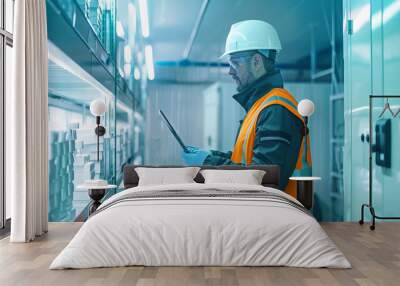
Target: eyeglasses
(237, 61)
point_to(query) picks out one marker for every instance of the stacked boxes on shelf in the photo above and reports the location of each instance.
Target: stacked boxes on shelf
(99, 16)
(72, 161)
(99, 22)
(61, 175)
(105, 35)
(84, 166)
(106, 163)
(118, 151)
(84, 170)
(124, 149)
(127, 145)
(94, 13)
(88, 140)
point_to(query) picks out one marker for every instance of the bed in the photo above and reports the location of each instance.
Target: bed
(199, 224)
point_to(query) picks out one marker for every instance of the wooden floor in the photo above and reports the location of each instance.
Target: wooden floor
(375, 257)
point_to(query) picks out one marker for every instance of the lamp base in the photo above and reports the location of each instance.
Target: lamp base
(100, 130)
(305, 193)
(96, 195)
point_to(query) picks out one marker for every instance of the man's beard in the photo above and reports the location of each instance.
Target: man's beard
(242, 86)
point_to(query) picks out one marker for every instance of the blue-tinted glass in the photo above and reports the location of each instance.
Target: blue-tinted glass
(75, 80)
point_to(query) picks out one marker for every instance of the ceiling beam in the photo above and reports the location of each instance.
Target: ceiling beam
(205, 64)
(196, 27)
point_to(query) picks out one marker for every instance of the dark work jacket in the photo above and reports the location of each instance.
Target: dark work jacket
(278, 131)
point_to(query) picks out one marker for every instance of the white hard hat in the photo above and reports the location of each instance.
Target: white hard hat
(251, 35)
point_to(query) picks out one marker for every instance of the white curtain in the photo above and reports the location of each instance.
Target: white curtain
(27, 131)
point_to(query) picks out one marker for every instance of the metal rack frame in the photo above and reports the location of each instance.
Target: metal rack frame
(370, 201)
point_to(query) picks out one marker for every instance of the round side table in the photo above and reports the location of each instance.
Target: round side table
(96, 193)
(305, 194)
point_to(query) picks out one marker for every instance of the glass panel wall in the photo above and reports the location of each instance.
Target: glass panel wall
(124, 147)
(101, 16)
(98, 64)
(127, 47)
(73, 149)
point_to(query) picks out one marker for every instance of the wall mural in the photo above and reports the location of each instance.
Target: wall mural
(252, 116)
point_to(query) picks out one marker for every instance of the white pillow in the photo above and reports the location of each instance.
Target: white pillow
(248, 177)
(166, 176)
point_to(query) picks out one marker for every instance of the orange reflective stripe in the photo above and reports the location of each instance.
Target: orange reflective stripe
(287, 106)
(309, 160)
(285, 94)
(237, 153)
(249, 143)
(291, 188)
(243, 149)
(240, 141)
(245, 141)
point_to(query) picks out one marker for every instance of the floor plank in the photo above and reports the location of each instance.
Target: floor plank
(375, 257)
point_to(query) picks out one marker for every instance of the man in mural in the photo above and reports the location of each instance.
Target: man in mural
(272, 130)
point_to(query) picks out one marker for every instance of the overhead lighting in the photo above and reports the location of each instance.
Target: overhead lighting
(139, 57)
(136, 129)
(127, 54)
(127, 70)
(144, 18)
(391, 11)
(362, 16)
(120, 29)
(132, 24)
(136, 73)
(148, 55)
(108, 4)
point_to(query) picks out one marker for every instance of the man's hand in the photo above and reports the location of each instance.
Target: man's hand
(194, 156)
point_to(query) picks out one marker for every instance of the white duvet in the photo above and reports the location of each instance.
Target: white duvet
(200, 231)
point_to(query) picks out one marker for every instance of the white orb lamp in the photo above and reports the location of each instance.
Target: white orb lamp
(98, 108)
(306, 109)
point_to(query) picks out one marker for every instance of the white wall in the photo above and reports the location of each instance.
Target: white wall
(226, 113)
(183, 105)
(372, 64)
(319, 126)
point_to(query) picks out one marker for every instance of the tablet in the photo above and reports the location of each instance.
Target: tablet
(172, 129)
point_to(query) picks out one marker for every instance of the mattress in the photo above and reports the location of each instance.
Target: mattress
(201, 225)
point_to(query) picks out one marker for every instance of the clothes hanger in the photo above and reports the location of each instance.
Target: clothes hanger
(387, 107)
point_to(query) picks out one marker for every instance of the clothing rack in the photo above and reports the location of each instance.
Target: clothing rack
(370, 201)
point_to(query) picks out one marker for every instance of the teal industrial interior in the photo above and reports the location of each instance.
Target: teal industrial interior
(140, 56)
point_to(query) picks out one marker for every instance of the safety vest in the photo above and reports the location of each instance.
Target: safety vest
(243, 149)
